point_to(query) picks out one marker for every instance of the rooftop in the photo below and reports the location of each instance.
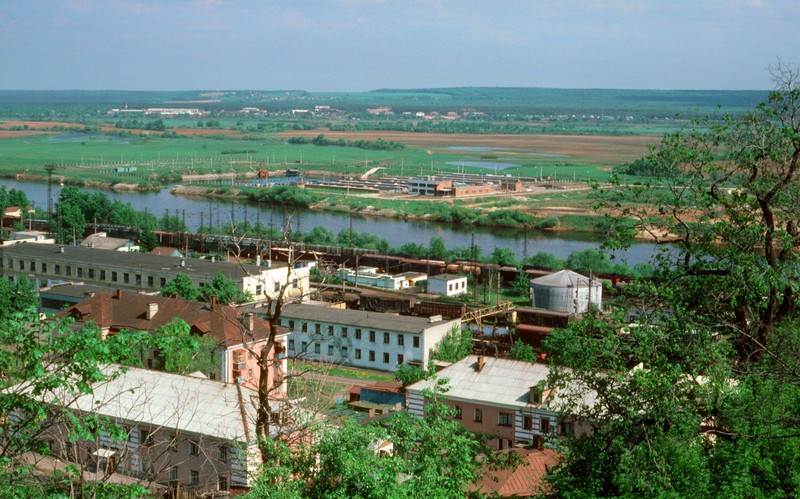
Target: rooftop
(167, 265)
(359, 318)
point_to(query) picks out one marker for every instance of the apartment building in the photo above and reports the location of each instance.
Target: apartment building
(363, 339)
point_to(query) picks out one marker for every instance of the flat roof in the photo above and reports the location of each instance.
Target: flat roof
(360, 318)
(130, 261)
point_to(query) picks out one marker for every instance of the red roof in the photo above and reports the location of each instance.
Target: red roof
(526, 479)
(118, 310)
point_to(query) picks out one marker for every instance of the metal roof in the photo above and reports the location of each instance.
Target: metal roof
(193, 405)
(501, 382)
(359, 318)
(79, 255)
(564, 279)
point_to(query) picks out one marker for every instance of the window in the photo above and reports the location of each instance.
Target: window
(172, 443)
(399, 358)
(259, 289)
(477, 415)
(222, 453)
(304, 327)
(277, 287)
(344, 352)
(138, 279)
(146, 466)
(291, 324)
(294, 284)
(330, 330)
(126, 278)
(358, 334)
(150, 281)
(58, 270)
(91, 273)
(68, 270)
(385, 357)
(358, 353)
(317, 348)
(222, 482)
(146, 438)
(527, 422)
(565, 428)
(330, 349)
(386, 338)
(544, 426)
(113, 276)
(344, 332)
(173, 473)
(102, 275)
(372, 355)
(416, 341)
(194, 448)
(456, 412)
(162, 281)
(316, 328)
(291, 344)
(401, 340)
(504, 419)
(44, 268)
(33, 266)
(21, 265)
(305, 346)
(372, 336)
(79, 270)
(11, 263)
(194, 477)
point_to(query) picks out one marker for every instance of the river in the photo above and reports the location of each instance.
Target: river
(396, 232)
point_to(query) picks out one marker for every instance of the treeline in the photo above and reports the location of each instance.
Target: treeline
(157, 125)
(476, 127)
(377, 145)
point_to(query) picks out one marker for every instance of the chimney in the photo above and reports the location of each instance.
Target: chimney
(119, 294)
(183, 262)
(535, 395)
(152, 308)
(479, 363)
(61, 249)
(251, 322)
(213, 301)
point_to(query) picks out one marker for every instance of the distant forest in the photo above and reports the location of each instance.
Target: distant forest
(494, 101)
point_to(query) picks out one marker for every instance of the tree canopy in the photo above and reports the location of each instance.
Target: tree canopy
(699, 396)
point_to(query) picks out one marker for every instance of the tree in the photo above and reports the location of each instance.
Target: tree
(182, 352)
(437, 248)
(504, 256)
(521, 285)
(699, 396)
(148, 240)
(38, 358)
(224, 291)
(545, 261)
(522, 351)
(20, 295)
(455, 345)
(182, 287)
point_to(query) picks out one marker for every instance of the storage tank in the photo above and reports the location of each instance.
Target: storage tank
(566, 291)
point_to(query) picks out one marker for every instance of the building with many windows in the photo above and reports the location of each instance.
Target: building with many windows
(363, 339)
(505, 399)
(44, 263)
(177, 431)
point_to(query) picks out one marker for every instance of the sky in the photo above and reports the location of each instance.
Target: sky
(358, 45)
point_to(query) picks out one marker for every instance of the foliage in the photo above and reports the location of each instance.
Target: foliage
(503, 256)
(13, 197)
(20, 295)
(455, 345)
(39, 361)
(182, 287)
(522, 351)
(408, 374)
(148, 240)
(545, 261)
(700, 395)
(181, 352)
(283, 195)
(224, 290)
(521, 285)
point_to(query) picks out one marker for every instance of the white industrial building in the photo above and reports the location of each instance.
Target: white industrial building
(447, 284)
(363, 339)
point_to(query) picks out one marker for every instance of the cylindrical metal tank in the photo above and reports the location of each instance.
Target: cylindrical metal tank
(566, 291)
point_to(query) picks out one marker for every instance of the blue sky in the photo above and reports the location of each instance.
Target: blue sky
(353, 45)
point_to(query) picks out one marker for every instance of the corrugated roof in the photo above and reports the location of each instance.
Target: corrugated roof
(563, 279)
(359, 318)
(523, 481)
(500, 382)
(184, 403)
